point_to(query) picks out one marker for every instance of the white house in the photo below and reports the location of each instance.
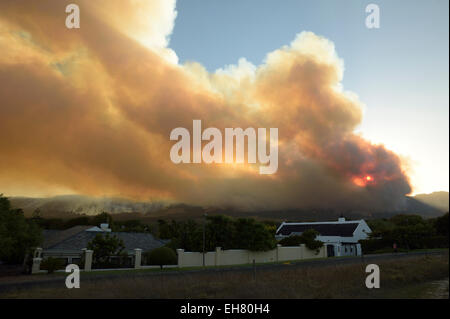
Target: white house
(341, 237)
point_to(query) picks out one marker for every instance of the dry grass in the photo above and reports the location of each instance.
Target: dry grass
(399, 279)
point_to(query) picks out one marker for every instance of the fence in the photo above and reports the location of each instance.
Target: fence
(218, 257)
(88, 257)
(238, 256)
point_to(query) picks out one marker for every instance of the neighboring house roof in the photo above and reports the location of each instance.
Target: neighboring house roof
(80, 237)
(53, 237)
(324, 229)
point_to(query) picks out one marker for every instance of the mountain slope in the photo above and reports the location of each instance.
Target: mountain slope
(438, 200)
(426, 205)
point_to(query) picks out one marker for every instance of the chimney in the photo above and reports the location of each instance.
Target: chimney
(105, 228)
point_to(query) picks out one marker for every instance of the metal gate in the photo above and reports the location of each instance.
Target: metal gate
(330, 250)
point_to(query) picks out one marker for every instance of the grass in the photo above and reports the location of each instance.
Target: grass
(94, 272)
(409, 278)
(237, 266)
(402, 250)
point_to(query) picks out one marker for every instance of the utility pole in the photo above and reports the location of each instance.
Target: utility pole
(204, 236)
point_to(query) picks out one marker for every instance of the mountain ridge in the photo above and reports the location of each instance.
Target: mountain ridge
(70, 206)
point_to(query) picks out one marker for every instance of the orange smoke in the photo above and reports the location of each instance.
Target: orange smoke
(90, 111)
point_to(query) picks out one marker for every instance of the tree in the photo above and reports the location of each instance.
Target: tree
(82, 220)
(189, 236)
(161, 256)
(308, 237)
(17, 234)
(105, 246)
(294, 240)
(132, 226)
(37, 216)
(253, 236)
(408, 232)
(164, 230)
(441, 225)
(407, 220)
(220, 231)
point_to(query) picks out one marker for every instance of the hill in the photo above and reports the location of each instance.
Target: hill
(426, 205)
(438, 200)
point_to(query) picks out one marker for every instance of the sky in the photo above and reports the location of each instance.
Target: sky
(362, 115)
(399, 71)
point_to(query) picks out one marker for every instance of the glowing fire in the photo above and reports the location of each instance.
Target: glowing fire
(363, 181)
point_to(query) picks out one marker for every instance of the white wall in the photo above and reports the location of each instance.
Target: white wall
(240, 257)
(362, 231)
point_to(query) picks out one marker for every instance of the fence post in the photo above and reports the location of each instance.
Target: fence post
(36, 265)
(88, 260)
(38, 253)
(217, 257)
(278, 252)
(37, 259)
(180, 253)
(137, 258)
(302, 251)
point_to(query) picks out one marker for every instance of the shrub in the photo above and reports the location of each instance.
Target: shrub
(308, 237)
(51, 264)
(291, 241)
(104, 247)
(161, 256)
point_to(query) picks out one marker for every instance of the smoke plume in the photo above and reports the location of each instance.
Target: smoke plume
(89, 111)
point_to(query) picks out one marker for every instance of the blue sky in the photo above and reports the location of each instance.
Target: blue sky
(400, 71)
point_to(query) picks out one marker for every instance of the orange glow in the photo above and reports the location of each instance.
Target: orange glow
(363, 181)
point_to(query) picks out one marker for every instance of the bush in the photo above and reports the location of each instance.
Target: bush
(104, 247)
(51, 264)
(308, 237)
(409, 232)
(161, 256)
(295, 240)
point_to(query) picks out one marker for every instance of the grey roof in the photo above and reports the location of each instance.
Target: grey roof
(80, 240)
(53, 237)
(324, 229)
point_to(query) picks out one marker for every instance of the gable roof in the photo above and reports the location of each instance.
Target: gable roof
(324, 229)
